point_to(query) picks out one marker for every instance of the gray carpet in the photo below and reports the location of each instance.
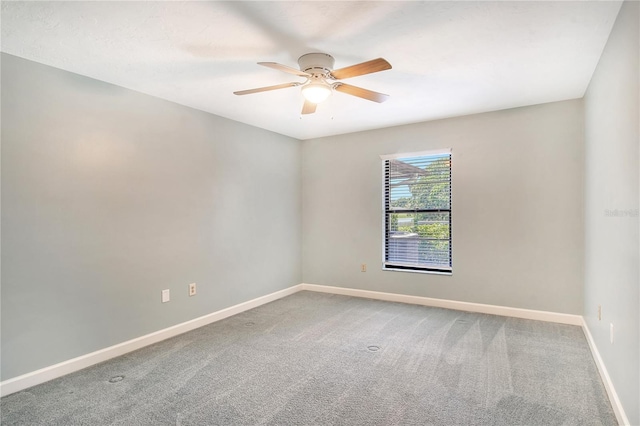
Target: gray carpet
(314, 358)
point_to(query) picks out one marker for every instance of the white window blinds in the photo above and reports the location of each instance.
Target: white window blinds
(417, 204)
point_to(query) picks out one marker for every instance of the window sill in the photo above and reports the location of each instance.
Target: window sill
(413, 271)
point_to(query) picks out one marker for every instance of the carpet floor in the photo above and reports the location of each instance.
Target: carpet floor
(320, 359)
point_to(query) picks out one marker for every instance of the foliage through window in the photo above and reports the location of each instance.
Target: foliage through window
(417, 212)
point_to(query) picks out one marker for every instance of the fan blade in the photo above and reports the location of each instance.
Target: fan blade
(280, 67)
(264, 89)
(360, 92)
(309, 107)
(368, 67)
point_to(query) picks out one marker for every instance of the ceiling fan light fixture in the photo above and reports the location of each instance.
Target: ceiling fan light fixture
(316, 92)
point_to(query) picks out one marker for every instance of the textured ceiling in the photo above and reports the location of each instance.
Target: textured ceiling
(449, 58)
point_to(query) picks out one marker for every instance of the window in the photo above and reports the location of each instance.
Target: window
(417, 212)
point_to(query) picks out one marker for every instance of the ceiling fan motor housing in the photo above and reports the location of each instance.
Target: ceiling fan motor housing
(316, 63)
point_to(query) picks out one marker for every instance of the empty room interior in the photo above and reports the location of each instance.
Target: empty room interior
(320, 213)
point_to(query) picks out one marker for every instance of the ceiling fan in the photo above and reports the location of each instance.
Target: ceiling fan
(318, 70)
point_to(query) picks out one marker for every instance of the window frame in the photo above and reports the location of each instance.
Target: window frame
(386, 212)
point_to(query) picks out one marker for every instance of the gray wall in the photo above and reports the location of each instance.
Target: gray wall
(110, 196)
(611, 242)
(517, 208)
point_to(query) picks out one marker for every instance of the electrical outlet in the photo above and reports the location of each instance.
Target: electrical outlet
(599, 312)
(363, 267)
(192, 289)
(611, 332)
(166, 296)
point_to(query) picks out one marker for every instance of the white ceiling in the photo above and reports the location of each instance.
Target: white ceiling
(449, 58)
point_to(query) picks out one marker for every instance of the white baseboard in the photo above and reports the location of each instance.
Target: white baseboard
(450, 304)
(33, 378)
(621, 416)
